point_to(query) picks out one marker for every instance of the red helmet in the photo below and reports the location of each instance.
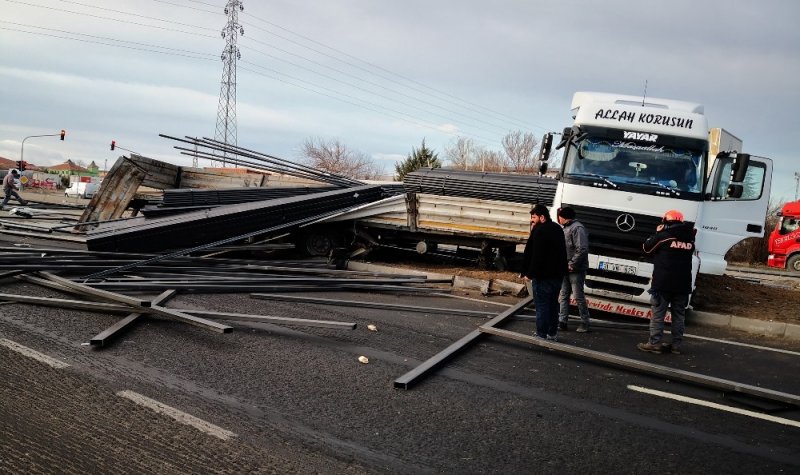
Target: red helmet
(673, 215)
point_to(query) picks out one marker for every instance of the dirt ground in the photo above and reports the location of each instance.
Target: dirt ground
(767, 298)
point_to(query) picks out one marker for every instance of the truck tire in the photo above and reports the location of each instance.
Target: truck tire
(793, 264)
(319, 241)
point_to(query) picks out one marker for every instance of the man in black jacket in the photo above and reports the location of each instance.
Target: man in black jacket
(545, 263)
(672, 248)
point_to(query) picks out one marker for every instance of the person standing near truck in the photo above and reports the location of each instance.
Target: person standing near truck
(672, 247)
(577, 242)
(10, 188)
(545, 264)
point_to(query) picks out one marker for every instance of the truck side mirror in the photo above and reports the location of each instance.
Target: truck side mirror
(542, 168)
(735, 191)
(544, 148)
(739, 167)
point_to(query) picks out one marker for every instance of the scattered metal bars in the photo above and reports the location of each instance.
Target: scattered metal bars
(202, 227)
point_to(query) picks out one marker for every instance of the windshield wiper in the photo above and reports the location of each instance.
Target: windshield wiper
(594, 175)
(672, 191)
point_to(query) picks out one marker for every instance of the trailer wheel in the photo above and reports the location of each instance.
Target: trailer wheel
(317, 244)
(793, 264)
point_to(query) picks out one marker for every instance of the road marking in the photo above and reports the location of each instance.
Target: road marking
(748, 345)
(24, 350)
(179, 416)
(713, 405)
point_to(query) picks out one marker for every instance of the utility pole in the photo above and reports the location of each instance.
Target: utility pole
(796, 184)
(226, 112)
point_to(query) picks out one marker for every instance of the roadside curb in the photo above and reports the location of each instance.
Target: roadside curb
(787, 331)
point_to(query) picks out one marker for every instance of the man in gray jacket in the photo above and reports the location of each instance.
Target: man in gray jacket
(577, 240)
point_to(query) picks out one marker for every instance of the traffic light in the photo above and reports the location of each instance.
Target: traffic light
(21, 165)
(63, 133)
(113, 144)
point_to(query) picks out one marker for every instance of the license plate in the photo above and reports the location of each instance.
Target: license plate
(613, 267)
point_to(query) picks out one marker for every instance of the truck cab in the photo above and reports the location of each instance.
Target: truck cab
(626, 161)
(784, 241)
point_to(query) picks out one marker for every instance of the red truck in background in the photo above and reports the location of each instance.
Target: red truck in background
(784, 242)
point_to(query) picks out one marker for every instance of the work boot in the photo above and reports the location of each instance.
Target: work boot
(583, 328)
(674, 348)
(650, 348)
(563, 326)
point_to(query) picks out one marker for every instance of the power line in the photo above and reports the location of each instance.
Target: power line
(338, 96)
(188, 7)
(362, 80)
(375, 93)
(111, 19)
(374, 66)
(205, 3)
(196, 55)
(133, 14)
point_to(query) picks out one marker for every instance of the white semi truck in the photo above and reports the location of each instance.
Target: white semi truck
(627, 160)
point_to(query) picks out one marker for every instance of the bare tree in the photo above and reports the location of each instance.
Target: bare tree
(335, 157)
(519, 148)
(460, 153)
(490, 161)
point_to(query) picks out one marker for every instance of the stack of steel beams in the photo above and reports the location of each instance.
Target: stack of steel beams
(227, 196)
(528, 189)
(223, 222)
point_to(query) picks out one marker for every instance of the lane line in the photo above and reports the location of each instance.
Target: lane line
(178, 415)
(24, 350)
(713, 405)
(748, 345)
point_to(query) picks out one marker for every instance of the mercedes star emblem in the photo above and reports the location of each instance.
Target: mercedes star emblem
(625, 222)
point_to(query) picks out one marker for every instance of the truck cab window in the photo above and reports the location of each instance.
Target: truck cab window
(753, 181)
(789, 225)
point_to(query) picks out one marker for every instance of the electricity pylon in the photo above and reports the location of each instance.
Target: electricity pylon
(226, 112)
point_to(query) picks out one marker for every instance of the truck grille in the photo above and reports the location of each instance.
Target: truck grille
(606, 239)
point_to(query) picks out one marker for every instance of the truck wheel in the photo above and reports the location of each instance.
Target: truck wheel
(793, 264)
(317, 243)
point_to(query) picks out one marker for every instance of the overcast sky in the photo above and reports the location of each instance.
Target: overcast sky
(381, 75)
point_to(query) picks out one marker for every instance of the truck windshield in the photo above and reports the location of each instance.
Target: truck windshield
(636, 166)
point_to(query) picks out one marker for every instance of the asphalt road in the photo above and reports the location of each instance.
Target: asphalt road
(279, 399)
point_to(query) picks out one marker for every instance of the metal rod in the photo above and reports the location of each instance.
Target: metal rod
(648, 368)
(409, 379)
(116, 329)
(272, 319)
(383, 306)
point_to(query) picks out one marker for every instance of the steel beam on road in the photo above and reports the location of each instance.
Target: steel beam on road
(146, 306)
(647, 368)
(414, 376)
(65, 303)
(383, 306)
(103, 294)
(271, 319)
(116, 329)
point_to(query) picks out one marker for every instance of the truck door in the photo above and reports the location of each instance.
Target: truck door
(724, 221)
